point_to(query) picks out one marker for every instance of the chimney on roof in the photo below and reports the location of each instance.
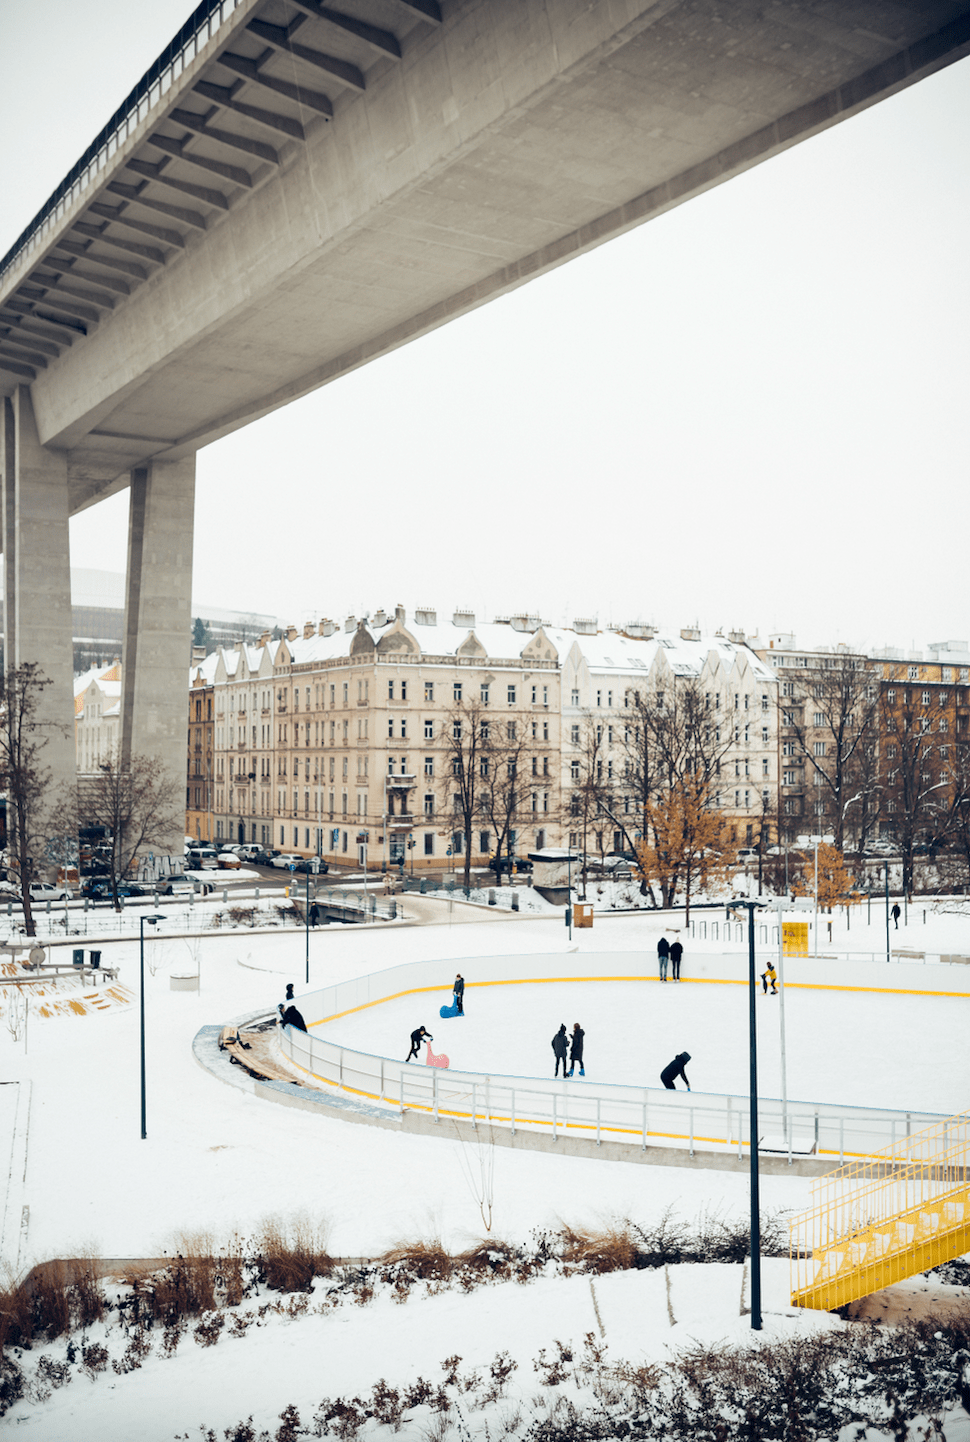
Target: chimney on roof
(426, 616)
(291, 633)
(264, 639)
(690, 633)
(239, 645)
(639, 630)
(738, 637)
(463, 617)
(524, 622)
(350, 623)
(399, 614)
(585, 625)
(326, 627)
(198, 653)
(379, 618)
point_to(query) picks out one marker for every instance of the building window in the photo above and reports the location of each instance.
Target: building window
(574, 735)
(429, 766)
(511, 694)
(404, 728)
(484, 841)
(819, 748)
(764, 766)
(484, 694)
(788, 718)
(457, 690)
(390, 690)
(789, 778)
(510, 730)
(574, 702)
(429, 803)
(456, 730)
(390, 725)
(818, 719)
(913, 673)
(429, 690)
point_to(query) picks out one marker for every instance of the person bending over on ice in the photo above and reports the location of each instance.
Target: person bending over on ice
(675, 1069)
(770, 975)
(416, 1039)
(560, 1045)
(460, 994)
(291, 1017)
(663, 956)
(576, 1050)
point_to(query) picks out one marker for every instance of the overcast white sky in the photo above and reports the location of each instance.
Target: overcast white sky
(750, 412)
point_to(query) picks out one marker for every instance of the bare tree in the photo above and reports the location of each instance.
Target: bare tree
(504, 782)
(139, 805)
(589, 780)
(23, 775)
(843, 702)
(916, 779)
(467, 740)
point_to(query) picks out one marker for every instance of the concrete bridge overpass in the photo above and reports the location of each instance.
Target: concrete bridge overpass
(297, 187)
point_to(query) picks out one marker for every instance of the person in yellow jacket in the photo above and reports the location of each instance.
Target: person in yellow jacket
(770, 975)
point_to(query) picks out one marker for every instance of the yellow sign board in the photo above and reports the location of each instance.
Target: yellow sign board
(794, 937)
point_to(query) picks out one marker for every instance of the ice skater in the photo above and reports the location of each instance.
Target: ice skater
(770, 975)
(291, 1017)
(289, 991)
(576, 1050)
(663, 956)
(314, 915)
(417, 1037)
(895, 914)
(675, 1069)
(460, 994)
(676, 952)
(560, 1045)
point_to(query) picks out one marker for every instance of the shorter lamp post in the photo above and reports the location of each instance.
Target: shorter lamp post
(141, 951)
(314, 866)
(751, 907)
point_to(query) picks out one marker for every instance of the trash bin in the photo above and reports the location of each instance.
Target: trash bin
(78, 956)
(95, 959)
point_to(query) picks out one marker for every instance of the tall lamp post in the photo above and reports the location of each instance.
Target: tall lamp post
(141, 951)
(751, 907)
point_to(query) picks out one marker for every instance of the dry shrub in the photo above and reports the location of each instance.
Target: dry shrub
(88, 1302)
(290, 1256)
(417, 1262)
(16, 1322)
(486, 1260)
(611, 1251)
(49, 1305)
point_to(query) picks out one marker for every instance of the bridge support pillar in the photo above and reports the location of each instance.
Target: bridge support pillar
(158, 619)
(37, 586)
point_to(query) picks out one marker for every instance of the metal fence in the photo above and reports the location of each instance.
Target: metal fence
(640, 1116)
(194, 35)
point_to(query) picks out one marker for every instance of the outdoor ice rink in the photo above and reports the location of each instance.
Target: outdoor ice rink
(851, 1047)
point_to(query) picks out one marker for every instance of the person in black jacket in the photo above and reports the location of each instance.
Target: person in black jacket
(460, 994)
(560, 1045)
(675, 1069)
(416, 1039)
(576, 1050)
(291, 1017)
(663, 955)
(676, 952)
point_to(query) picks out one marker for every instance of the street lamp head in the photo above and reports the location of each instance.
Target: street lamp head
(152, 919)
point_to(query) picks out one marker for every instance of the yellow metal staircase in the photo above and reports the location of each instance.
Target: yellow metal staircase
(874, 1222)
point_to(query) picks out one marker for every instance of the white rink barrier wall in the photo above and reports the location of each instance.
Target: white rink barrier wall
(640, 1116)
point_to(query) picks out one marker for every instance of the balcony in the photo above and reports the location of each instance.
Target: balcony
(400, 783)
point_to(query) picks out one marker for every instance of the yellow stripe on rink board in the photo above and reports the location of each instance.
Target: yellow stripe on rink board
(691, 980)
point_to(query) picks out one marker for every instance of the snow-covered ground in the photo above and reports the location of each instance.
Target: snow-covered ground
(219, 1161)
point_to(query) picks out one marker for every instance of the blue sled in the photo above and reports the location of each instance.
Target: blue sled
(447, 1011)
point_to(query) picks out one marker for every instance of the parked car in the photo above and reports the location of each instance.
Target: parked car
(202, 858)
(45, 891)
(263, 856)
(99, 889)
(228, 861)
(248, 853)
(308, 865)
(509, 863)
(9, 890)
(176, 886)
(747, 853)
(285, 859)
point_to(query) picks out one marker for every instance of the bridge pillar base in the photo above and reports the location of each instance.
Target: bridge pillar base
(37, 587)
(158, 618)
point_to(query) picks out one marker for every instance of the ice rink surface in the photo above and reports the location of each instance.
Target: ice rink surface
(857, 1048)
